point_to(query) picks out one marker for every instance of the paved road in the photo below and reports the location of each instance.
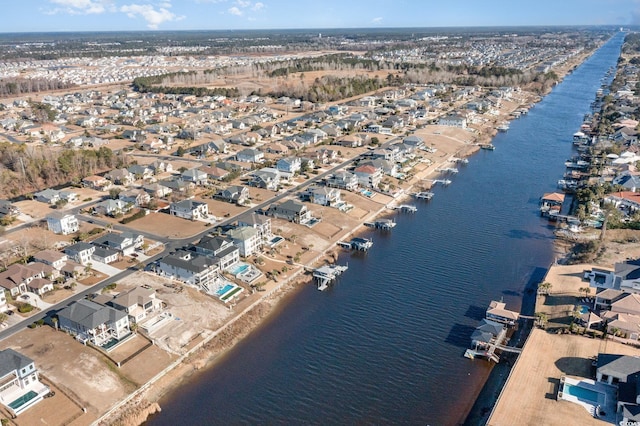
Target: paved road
(170, 246)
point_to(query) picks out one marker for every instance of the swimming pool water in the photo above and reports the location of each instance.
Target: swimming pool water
(582, 393)
(225, 289)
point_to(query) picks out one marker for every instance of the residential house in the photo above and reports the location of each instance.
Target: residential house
(260, 222)
(368, 176)
(622, 371)
(136, 197)
(8, 209)
(246, 239)
(140, 172)
(177, 185)
(389, 168)
(195, 176)
(49, 196)
(250, 156)
(290, 210)
(161, 166)
(189, 209)
(323, 195)
(551, 202)
(121, 177)
(190, 268)
(343, 180)
(626, 201)
(233, 194)
(80, 252)
(157, 190)
(51, 257)
(453, 120)
(96, 182)
(125, 243)
(112, 207)
(289, 164)
(214, 173)
(64, 223)
(21, 386)
(629, 181)
(267, 178)
(40, 286)
(16, 278)
(221, 249)
(138, 302)
(95, 323)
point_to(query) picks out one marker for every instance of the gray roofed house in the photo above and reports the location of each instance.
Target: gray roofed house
(290, 210)
(221, 249)
(93, 322)
(195, 175)
(190, 268)
(8, 209)
(137, 302)
(49, 196)
(189, 209)
(233, 194)
(80, 252)
(246, 239)
(19, 376)
(260, 222)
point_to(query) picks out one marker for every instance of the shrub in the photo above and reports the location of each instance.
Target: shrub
(25, 308)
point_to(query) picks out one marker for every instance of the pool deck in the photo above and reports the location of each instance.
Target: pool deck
(529, 396)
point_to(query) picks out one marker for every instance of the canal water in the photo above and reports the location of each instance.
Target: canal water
(385, 344)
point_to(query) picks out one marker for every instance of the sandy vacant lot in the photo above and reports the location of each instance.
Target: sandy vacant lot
(529, 397)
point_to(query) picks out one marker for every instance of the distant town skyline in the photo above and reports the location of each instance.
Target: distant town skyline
(141, 15)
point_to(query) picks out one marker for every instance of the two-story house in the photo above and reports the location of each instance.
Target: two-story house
(236, 194)
(21, 386)
(80, 252)
(246, 239)
(95, 323)
(290, 210)
(189, 209)
(138, 303)
(64, 223)
(220, 249)
(191, 268)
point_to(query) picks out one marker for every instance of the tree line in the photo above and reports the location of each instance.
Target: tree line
(20, 86)
(25, 169)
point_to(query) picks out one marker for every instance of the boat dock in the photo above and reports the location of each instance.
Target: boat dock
(406, 208)
(424, 195)
(450, 170)
(325, 275)
(357, 243)
(491, 334)
(383, 224)
(444, 182)
(459, 160)
(488, 146)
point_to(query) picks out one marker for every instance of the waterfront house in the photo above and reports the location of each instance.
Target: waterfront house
(138, 302)
(323, 195)
(260, 222)
(189, 209)
(368, 176)
(290, 210)
(190, 268)
(622, 371)
(233, 194)
(343, 180)
(62, 223)
(80, 252)
(486, 333)
(21, 386)
(498, 313)
(97, 324)
(453, 120)
(247, 240)
(221, 249)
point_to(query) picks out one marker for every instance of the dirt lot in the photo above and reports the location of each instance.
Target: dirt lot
(193, 311)
(165, 225)
(529, 397)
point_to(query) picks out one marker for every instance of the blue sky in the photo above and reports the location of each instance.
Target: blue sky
(136, 15)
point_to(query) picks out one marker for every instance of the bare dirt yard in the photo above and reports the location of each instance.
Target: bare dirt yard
(529, 397)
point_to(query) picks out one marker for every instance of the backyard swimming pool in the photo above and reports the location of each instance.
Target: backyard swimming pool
(225, 289)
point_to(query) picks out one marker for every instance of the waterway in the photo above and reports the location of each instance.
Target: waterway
(385, 344)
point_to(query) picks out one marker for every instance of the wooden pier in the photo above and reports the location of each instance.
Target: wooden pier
(382, 224)
(357, 243)
(406, 208)
(424, 195)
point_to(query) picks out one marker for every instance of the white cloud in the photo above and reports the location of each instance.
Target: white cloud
(81, 7)
(243, 3)
(376, 20)
(235, 11)
(258, 6)
(154, 17)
